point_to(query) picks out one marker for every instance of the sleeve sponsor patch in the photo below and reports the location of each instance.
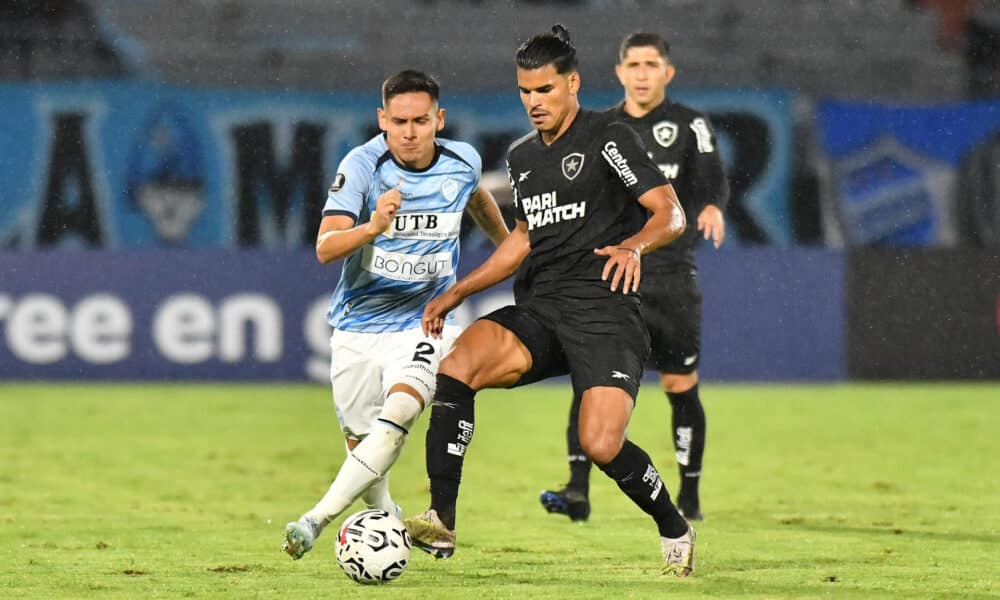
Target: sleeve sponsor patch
(619, 164)
(701, 131)
(338, 183)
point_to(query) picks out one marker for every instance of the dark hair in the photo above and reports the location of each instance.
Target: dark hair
(409, 81)
(548, 49)
(641, 38)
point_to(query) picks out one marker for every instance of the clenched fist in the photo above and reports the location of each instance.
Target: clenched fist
(385, 209)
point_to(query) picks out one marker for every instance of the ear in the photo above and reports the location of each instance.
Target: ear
(382, 120)
(671, 71)
(574, 82)
(440, 119)
(619, 70)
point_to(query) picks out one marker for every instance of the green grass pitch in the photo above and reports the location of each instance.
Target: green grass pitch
(843, 491)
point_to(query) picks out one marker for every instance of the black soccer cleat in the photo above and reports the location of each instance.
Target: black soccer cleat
(567, 502)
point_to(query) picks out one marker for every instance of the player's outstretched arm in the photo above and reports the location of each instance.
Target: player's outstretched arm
(483, 208)
(338, 237)
(499, 266)
(665, 225)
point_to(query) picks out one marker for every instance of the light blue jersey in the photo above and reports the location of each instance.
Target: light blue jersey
(386, 284)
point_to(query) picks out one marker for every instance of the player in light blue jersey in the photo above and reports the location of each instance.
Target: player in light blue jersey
(394, 213)
(386, 285)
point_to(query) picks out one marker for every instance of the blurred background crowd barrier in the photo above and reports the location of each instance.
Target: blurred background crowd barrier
(164, 165)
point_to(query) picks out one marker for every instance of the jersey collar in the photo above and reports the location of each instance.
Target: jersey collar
(620, 110)
(580, 114)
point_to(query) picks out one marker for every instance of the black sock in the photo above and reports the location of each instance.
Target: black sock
(635, 474)
(449, 434)
(579, 464)
(689, 441)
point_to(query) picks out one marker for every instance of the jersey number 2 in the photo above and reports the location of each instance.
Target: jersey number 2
(423, 349)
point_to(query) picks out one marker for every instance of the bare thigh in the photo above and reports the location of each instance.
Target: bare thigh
(487, 355)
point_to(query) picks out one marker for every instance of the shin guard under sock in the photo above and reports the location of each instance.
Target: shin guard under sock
(688, 423)
(448, 436)
(579, 463)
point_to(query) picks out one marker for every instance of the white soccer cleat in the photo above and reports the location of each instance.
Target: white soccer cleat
(678, 554)
(299, 537)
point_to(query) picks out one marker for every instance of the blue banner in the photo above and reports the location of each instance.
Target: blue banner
(176, 315)
(147, 165)
(912, 175)
(260, 315)
(772, 314)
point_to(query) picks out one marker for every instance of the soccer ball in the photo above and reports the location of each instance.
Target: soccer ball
(373, 547)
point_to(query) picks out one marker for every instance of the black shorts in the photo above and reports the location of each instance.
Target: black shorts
(671, 309)
(596, 342)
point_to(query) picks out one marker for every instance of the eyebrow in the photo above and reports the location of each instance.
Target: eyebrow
(541, 88)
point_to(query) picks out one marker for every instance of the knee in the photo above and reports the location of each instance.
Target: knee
(678, 384)
(401, 408)
(601, 448)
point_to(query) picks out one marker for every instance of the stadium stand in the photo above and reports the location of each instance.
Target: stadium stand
(60, 39)
(849, 49)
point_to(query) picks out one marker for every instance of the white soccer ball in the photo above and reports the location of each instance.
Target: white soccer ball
(373, 547)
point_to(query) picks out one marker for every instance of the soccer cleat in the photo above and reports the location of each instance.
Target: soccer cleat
(430, 535)
(567, 502)
(678, 554)
(299, 537)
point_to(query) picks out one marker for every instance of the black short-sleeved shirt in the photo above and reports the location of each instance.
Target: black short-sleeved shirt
(577, 194)
(680, 141)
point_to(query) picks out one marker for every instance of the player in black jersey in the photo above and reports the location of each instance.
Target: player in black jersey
(582, 185)
(680, 140)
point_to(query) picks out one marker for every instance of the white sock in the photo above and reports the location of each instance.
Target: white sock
(377, 496)
(370, 460)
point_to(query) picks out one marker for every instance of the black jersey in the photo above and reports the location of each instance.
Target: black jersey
(680, 141)
(578, 194)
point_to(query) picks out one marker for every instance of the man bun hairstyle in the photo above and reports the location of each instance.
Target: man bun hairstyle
(554, 48)
(644, 39)
(409, 81)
